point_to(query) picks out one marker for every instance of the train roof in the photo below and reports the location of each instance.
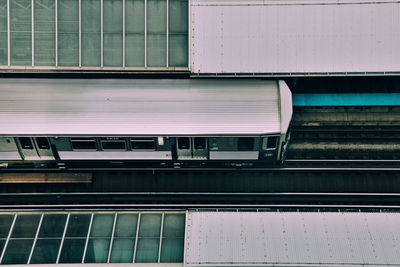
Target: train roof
(143, 107)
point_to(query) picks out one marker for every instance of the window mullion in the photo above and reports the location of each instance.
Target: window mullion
(8, 238)
(136, 238)
(35, 240)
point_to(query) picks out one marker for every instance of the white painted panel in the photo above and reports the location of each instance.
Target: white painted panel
(292, 239)
(245, 155)
(286, 106)
(10, 156)
(102, 155)
(138, 107)
(295, 36)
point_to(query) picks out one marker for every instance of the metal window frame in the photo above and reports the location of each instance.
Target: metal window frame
(63, 237)
(33, 32)
(189, 36)
(80, 32)
(167, 36)
(112, 238)
(56, 33)
(161, 236)
(36, 235)
(123, 34)
(101, 33)
(145, 33)
(185, 236)
(9, 235)
(87, 236)
(92, 214)
(8, 37)
(145, 67)
(137, 236)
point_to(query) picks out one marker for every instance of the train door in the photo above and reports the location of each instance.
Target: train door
(35, 148)
(192, 148)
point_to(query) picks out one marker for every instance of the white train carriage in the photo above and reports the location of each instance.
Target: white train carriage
(147, 121)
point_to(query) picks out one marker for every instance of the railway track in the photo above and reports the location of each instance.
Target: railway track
(187, 200)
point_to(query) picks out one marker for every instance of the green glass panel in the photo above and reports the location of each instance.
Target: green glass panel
(112, 33)
(178, 33)
(91, 39)
(78, 225)
(25, 226)
(53, 225)
(45, 39)
(122, 250)
(150, 225)
(156, 33)
(102, 225)
(2, 243)
(5, 225)
(20, 15)
(134, 28)
(3, 15)
(45, 50)
(46, 251)
(113, 49)
(97, 250)
(68, 32)
(3, 48)
(147, 249)
(21, 48)
(68, 49)
(112, 16)
(134, 16)
(3, 35)
(91, 49)
(174, 225)
(21, 27)
(17, 251)
(68, 16)
(134, 50)
(172, 250)
(21, 40)
(156, 50)
(72, 251)
(178, 50)
(44, 16)
(126, 225)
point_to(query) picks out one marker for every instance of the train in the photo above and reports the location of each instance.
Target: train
(143, 123)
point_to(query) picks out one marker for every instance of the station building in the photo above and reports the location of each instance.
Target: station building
(200, 39)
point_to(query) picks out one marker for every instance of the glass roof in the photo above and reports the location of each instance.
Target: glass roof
(91, 237)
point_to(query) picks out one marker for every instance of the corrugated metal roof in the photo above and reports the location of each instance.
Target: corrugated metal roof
(292, 238)
(139, 107)
(307, 37)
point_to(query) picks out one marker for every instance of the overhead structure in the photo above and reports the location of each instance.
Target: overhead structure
(295, 38)
(189, 238)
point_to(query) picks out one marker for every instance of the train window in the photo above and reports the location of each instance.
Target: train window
(272, 142)
(143, 143)
(25, 142)
(183, 143)
(83, 143)
(113, 143)
(245, 143)
(200, 143)
(42, 142)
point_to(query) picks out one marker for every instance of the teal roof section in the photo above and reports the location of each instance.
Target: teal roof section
(351, 99)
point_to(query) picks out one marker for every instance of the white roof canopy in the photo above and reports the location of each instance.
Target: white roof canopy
(292, 239)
